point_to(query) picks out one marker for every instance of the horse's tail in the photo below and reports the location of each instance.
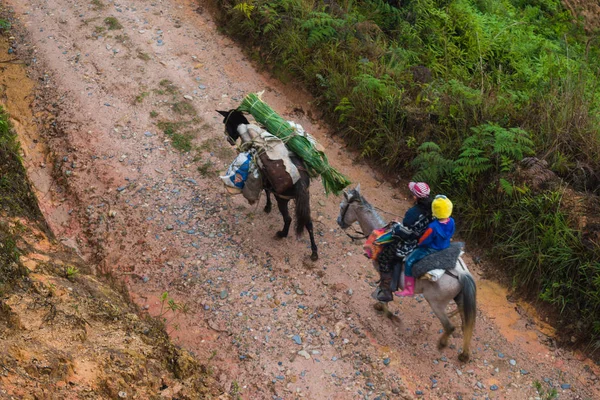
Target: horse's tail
(302, 205)
(467, 300)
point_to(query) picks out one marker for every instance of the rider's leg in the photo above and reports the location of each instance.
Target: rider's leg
(384, 293)
(409, 280)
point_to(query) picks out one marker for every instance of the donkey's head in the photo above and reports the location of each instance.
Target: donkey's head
(349, 206)
(232, 119)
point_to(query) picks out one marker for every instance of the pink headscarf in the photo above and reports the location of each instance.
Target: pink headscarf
(419, 189)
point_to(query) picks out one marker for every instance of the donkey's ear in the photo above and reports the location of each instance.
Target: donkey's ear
(345, 194)
(357, 188)
(223, 113)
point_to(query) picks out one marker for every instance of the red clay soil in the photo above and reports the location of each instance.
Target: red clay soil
(161, 219)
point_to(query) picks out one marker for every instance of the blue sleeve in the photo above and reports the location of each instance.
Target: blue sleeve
(411, 217)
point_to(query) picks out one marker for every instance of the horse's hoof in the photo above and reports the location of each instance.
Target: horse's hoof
(442, 344)
(463, 357)
(267, 209)
(280, 235)
(379, 306)
(394, 318)
(314, 256)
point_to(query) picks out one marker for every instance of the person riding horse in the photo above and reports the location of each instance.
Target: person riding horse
(407, 234)
(436, 238)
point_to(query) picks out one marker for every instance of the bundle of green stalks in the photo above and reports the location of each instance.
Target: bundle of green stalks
(315, 160)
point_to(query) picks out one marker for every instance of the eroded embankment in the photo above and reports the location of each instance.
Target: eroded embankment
(66, 333)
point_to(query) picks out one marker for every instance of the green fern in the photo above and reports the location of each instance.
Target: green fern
(321, 27)
(244, 8)
(513, 143)
(344, 108)
(506, 186)
(492, 146)
(472, 162)
(430, 164)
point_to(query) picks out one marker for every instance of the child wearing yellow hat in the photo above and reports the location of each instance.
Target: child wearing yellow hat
(436, 237)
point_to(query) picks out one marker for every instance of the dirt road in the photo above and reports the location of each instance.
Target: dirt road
(117, 99)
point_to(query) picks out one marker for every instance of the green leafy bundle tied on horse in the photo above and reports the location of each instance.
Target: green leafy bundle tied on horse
(315, 160)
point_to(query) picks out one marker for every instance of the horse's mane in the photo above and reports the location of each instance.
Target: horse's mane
(364, 204)
(355, 193)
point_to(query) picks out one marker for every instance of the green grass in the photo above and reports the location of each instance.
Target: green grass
(180, 140)
(206, 169)
(167, 87)
(71, 272)
(143, 56)
(140, 97)
(153, 114)
(4, 25)
(16, 196)
(122, 38)
(10, 267)
(183, 108)
(219, 147)
(16, 200)
(98, 5)
(112, 23)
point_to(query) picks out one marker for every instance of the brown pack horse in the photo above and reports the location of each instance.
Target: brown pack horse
(458, 285)
(299, 192)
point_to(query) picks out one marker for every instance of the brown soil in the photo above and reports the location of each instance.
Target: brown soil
(160, 218)
(66, 333)
(587, 10)
(71, 335)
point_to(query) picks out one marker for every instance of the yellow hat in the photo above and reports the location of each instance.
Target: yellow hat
(441, 207)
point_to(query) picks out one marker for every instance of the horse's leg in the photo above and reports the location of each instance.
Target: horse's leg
(467, 335)
(466, 302)
(439, 308)
(313, 246)
(382, 307)
(269, 204)
(282, 204)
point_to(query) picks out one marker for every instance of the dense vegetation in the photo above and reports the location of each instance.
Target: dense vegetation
(459, 92)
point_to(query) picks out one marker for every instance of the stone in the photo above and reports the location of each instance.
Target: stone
(304, 353)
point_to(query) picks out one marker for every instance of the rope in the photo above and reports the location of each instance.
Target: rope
(362, 235)
(383, 211)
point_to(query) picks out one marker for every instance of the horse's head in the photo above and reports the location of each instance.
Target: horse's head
(232, 119)
(348, 207)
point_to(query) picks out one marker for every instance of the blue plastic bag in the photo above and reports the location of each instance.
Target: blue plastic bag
(237, 173)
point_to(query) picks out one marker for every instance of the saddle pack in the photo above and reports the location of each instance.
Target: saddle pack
(377, 241)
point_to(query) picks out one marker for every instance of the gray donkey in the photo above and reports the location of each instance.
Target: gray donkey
(458, 284)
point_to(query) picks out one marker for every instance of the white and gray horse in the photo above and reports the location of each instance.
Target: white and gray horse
(458, 285)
